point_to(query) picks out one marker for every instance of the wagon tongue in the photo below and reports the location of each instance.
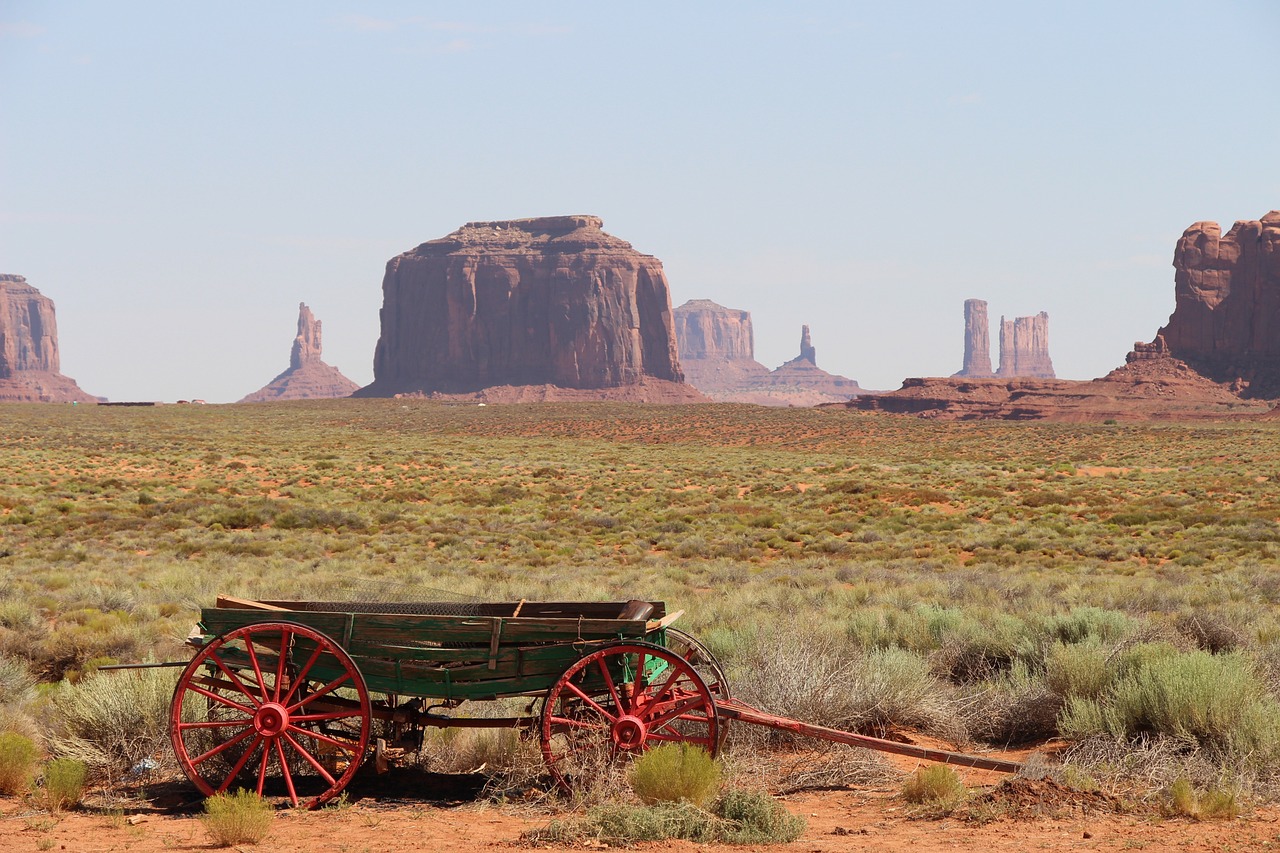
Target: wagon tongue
(734, 709)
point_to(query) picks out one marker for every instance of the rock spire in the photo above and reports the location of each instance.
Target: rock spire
(308, 377)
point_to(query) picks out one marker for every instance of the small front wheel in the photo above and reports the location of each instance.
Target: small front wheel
(246, 714)
(622, 700)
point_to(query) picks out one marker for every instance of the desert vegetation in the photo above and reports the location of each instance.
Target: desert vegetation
(988, 583)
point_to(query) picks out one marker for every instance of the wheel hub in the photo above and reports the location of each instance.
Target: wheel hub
(271, 719)
(629, 733)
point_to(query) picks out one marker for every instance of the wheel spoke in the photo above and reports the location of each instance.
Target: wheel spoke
(302, 674)
(328, 688)
(637, 684)
(214, 724)
(331, 715)
(284, 771)
(593, 704)
(306, 755)
(608, 680)
(235, 679)
(196, 688)
(666, 686)
(703, 741)
(257, 668)
(580, 724)
(262, 768)
(244, 759)
(285, 634)
(670, 714)
(341, 744)
(223, 746)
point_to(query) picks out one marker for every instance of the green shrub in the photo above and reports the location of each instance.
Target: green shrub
(238, 818)
(756, 818)
(1077, 669)
(1212, 701)
(738, 817)
(672, 772)
(937, 783)
(64, 783)
(112, 720)
(18, 756)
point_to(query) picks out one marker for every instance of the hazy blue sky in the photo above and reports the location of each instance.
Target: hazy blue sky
(177, 177)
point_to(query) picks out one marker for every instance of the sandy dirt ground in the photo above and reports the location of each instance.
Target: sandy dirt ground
(840, 820)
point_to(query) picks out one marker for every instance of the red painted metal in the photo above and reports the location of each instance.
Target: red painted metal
(733, 709)
(591, 716)
(270, 715)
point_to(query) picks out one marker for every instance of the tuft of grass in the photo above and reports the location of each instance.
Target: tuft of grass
(737, 817)
(238, 818)
(675, 772)
(936, 784)
(18, 756)
(64, 780)
(1183, 800)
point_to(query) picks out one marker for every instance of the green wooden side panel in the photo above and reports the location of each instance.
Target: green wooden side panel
(402, 653)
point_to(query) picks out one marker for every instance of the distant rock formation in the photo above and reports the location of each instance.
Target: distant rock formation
(308, 377)
(29, 364)
(1142, 390)
(716, 346)
(977, 340)
(1226, 319)
(1024, 347)
(807, 352)
(717, 349)
(552, 301)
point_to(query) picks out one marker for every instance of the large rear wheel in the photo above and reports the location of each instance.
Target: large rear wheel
(275, 707)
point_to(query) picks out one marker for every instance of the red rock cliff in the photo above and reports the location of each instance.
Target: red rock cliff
(717, 346)
(1226, 318)
(29, 364)
(553, 300)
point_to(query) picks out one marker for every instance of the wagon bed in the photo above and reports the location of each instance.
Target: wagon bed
(430, 650)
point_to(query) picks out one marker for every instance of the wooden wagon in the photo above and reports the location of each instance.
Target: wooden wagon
(284, 696)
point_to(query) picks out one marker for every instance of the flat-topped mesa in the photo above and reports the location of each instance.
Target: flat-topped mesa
(522, 302)
(1024, 347)
(705, 329)
(30, 370)
(308, 377)
(977, 341)
(1226, 318)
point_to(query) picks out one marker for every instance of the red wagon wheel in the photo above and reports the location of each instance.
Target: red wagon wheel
(244, 710)
(623, 699)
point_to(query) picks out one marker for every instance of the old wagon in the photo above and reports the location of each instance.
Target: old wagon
(292, 697)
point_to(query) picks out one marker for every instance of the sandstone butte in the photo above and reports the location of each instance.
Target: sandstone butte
(29, 363)
(1217, 357)
(1024, 345)
(551, 308)
(1226, 318)
(717, 352)
(308, 377)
